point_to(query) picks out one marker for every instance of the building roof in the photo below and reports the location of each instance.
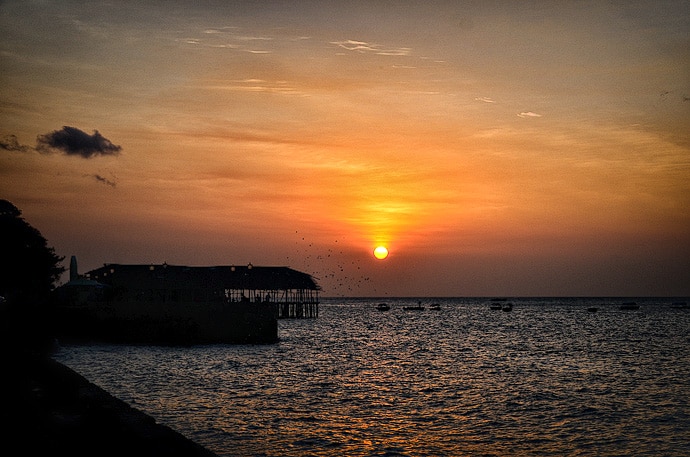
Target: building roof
(245, 277)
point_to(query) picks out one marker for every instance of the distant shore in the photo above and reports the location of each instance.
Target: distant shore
(52, 410)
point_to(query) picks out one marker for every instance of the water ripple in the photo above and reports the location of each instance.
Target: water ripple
(548, 378)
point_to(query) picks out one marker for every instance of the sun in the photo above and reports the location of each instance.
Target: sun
(380, 252)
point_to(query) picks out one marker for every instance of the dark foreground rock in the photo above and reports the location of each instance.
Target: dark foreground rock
(48, 409)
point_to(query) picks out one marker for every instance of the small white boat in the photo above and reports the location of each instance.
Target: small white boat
(419, 307)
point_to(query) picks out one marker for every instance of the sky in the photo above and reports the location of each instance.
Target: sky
(496, 148)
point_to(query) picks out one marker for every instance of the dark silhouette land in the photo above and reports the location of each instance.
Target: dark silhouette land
(48, 409)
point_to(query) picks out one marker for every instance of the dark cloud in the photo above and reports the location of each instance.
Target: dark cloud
(72, 141)
(10, 143)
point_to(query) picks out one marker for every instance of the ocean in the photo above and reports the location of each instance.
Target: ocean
(548, 378)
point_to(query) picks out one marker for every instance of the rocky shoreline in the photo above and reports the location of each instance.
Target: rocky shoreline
(50, 409)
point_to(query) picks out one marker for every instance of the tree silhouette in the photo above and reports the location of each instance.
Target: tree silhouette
(29, 269)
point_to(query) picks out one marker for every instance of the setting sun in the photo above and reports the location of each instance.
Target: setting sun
(380, 252)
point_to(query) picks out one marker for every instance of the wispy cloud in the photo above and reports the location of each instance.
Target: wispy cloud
(526, 114)
(364, 47)
(10, 143)
(229, 38)
(103, 180)
(215, 31)
(485, 99)
(72, 141)
(255, 85)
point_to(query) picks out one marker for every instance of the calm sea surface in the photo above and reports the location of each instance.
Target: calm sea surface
(547, 378)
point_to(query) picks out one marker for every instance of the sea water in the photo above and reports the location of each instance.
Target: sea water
(547, 378)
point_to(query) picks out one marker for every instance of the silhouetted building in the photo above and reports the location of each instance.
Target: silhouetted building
(170, 303)
(73, 270)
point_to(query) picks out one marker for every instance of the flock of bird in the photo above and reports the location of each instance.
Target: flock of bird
(335, 271)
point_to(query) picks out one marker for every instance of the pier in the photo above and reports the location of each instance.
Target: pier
(287, 303)
(298, 309)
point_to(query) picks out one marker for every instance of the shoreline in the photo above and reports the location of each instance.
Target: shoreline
(51, 409)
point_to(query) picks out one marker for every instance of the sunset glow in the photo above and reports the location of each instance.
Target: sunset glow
(503, 148)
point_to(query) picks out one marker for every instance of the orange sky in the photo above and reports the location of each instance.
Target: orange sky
(495, 148)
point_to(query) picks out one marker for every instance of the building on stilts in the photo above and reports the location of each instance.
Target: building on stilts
(209, 304)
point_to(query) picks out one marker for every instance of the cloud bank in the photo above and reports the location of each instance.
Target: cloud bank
(72, 141)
